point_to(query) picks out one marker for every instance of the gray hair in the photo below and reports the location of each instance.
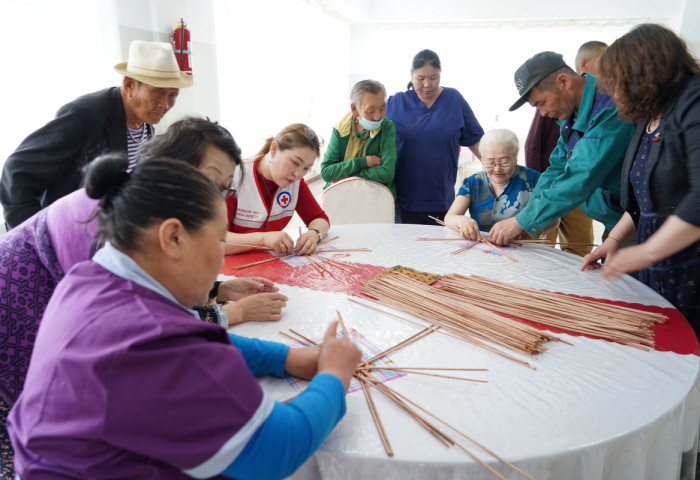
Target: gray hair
(364, 86)
(499, 136)
(589, 51)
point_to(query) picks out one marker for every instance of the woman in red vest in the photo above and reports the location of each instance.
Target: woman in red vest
(272, 188)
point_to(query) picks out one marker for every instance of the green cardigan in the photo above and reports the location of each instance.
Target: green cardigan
(335, 167)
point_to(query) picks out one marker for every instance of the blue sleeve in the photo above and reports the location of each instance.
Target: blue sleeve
(465, 189)
(292, 432)
(532, 177)
(471, 132)
(261, 356)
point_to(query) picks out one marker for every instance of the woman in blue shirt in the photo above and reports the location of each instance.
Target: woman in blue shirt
(431, 123)
(498, 192)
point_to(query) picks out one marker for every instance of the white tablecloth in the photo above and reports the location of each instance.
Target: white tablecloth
(595, 410)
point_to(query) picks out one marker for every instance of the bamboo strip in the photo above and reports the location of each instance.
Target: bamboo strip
(447, 440)
(258, 247)
(342, 325)
(429, 368)
(375, 416)
(306, 339)
(440, 239)
(241, 267)
(345, 250)
(328, 240)
(304, 342)
(484, 448)
(398, 369)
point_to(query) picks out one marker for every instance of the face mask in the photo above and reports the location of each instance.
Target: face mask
(370, 125)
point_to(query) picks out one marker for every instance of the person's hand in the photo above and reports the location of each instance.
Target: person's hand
(468, 228)
(503, 232)
(280, 242)
(307, 243)
(608, 247)
(626, 260)
(237, 288)
(338, 356)
(260, 307)
(303, 362)
(373, 161)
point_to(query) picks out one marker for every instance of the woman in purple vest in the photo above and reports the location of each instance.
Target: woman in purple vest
(35, 255)
(125, 380)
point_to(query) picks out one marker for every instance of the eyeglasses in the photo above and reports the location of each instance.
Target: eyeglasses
(502, 164)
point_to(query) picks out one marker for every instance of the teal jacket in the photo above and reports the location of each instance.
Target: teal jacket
(335, 167)
(584, 168)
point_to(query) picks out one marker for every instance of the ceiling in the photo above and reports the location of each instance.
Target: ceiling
(368, 12)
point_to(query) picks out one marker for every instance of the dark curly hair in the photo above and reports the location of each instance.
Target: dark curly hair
(645, 69)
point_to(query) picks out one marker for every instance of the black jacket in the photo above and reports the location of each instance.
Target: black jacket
(47, 165)
(673, 168)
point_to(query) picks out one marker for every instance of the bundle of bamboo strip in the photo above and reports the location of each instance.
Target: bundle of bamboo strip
(472, 323)
(625, 325)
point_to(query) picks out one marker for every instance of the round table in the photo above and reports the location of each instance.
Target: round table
(594, 410)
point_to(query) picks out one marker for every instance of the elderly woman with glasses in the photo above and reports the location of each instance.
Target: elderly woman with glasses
(498, 192)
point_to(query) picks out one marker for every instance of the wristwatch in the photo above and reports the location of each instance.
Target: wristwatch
(318, 232)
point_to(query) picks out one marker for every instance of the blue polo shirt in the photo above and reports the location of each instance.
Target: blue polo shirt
(427, 144)
(486, 208)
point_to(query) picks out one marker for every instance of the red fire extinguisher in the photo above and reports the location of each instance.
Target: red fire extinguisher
(183, 53)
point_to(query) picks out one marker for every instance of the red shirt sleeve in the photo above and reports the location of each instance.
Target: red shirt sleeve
(307, 206)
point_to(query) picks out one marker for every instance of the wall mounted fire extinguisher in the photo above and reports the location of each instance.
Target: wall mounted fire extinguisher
(183, 52)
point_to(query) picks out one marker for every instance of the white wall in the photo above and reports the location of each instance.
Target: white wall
(52, 53)
(280, 62)
(57, 51)
(149, 20)
(690, 26)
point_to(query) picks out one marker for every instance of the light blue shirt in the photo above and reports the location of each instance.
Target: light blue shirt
(486, 208)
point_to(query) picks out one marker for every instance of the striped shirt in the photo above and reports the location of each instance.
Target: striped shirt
(134, 139)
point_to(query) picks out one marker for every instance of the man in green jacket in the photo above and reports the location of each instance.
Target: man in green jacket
(364, 141)
(585, 167)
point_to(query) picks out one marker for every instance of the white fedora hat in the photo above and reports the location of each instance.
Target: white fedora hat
(153, 63)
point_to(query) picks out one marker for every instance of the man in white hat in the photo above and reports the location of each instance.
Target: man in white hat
(47, 165)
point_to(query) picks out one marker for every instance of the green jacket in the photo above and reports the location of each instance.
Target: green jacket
(584, 168)
(335, 167)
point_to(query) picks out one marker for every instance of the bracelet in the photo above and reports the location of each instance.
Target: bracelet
(318, 232)
(615, 238)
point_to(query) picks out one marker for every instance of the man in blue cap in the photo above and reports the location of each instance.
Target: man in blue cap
(585, 166)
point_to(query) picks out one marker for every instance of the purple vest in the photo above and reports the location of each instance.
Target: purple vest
(34, 256)
(124, 383)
